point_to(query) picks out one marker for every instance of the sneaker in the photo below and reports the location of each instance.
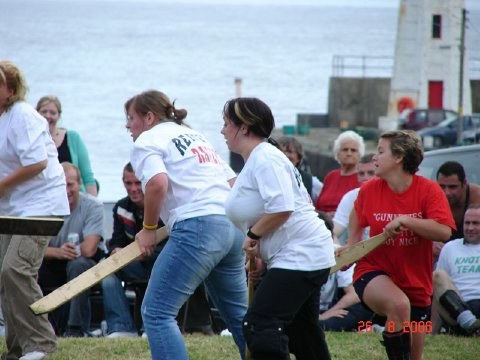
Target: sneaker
(225, 332)
(120, 334)
(34, 355)
(144, 335)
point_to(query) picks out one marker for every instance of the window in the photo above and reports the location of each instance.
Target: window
(437, 26)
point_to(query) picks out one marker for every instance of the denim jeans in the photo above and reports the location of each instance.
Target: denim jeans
(80, 308)
(207, 248)
(115, 303)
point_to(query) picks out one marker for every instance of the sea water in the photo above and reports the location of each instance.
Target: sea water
(95, 54)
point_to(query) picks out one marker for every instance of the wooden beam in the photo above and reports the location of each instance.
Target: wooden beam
(92, 276)
(43, 226)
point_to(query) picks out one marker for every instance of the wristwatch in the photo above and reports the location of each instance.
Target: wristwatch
(252, 235)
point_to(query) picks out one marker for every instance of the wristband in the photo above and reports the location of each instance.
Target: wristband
(150, 227)
(252, 235)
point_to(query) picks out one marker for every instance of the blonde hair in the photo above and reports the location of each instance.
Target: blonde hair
(47, 99)
(13, 79)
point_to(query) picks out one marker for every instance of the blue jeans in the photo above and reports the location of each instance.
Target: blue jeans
(209, 249)
(115, 303)
(80, 307)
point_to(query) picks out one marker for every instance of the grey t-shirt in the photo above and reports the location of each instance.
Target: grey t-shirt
(86, 219)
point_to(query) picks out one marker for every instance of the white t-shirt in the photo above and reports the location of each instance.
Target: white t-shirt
(339, 279)
(342, 214)
(462, 263)
(197, 176)
(269, 183)
(25, 140)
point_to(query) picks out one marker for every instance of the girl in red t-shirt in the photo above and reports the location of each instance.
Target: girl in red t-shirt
(395, 280)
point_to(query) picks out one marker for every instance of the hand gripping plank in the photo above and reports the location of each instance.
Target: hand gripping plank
(92, 276)
(43, 226)
(357, 251)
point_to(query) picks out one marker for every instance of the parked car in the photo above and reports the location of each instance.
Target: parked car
(467, 155)
(445, 133)
(416, 119)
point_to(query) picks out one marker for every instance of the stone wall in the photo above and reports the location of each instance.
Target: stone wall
(357, 101)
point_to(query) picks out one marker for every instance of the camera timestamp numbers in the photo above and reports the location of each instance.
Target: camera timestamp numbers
(390, 326)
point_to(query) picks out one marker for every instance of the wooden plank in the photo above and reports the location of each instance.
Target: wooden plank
(45, 226)
(357, 251)
(92, 276)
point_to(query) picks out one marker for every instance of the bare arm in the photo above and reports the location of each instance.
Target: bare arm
(91, 189)
(270, 222)
(154, 197)
(89, 245)
(21, 175)
(348, 299)
(65, 252)
(267, 224)
(425, 228)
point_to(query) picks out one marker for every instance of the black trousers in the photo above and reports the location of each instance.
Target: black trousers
(283, 317)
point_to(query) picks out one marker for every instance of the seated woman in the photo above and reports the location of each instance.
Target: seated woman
(348, 148)
(69, 144)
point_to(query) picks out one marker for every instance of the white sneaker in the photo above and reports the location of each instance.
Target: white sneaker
(144, 335)
(119, 334)
(34, 355)
(225, 332)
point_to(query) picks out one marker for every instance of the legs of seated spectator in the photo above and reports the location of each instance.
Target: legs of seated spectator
(351, 321)
(52, 274)
(451, 307)
(115, 303)
(79, 314)
(283, 317)
(195, 247)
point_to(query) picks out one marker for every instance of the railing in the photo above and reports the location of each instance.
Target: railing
(362, 65)
(367, 65)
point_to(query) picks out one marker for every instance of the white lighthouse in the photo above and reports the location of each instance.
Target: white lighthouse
(427, 69)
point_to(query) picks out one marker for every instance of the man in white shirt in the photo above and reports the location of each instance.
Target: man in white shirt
(366, 171)
(457, 278)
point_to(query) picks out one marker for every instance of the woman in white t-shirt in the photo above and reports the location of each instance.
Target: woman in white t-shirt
(271, 205)
(186, 184)
(32, 183)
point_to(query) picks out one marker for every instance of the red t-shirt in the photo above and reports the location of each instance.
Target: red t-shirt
(334, 187)
(407, 259)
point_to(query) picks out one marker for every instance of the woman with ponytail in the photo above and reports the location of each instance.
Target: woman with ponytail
(185, 183)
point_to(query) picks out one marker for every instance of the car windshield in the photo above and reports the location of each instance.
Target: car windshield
(448, 122)
(469, 157)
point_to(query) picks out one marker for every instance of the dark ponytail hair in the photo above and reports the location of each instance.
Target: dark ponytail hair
(253, 113)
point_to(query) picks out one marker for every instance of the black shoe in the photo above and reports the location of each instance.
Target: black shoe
(74, 331)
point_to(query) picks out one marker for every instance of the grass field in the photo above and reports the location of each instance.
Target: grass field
(342, 346)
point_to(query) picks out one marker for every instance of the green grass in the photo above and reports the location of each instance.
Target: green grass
(200, 347)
